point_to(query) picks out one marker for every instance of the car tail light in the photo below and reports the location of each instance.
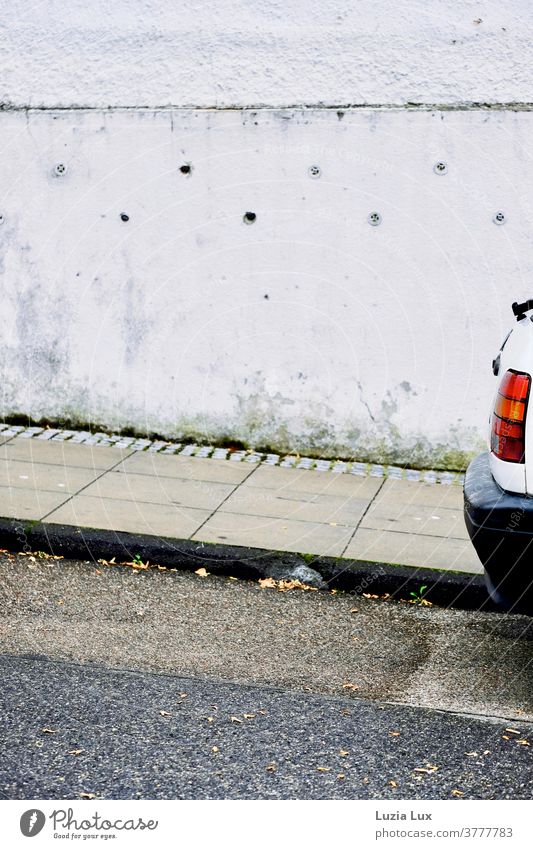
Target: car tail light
(507, 439)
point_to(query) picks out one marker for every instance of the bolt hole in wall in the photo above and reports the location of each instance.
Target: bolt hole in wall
(319, 333)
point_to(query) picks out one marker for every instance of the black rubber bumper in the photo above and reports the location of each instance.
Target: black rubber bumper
(500, 525)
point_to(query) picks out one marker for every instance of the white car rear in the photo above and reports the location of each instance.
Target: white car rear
(498, 484)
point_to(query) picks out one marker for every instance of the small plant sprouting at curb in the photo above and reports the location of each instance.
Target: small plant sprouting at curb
(418, 595)
(137, 559)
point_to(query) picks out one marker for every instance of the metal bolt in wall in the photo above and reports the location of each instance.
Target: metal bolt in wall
(2, 219)
(249, 217)
(314, 172)
(186, 169)
(60, 169)
(374, 219)
(499, 218)
(440, 168)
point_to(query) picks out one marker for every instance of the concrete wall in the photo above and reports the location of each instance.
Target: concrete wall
(309, 328)
(223, 53)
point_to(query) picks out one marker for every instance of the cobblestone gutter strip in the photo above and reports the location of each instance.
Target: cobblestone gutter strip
(209, 451)
(445, 588)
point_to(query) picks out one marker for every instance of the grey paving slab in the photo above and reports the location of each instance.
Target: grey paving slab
(414, 550)
(193, 468)
(304, 480)
(61, 453)
(131, 516)
(425, 494)
(394, 515)
(291, 504)
(275, 534)
(287, 509)
(45, 476)
(31, 504)
(205, 495)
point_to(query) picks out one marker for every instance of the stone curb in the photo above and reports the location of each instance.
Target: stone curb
(444, 588)
(289, 461)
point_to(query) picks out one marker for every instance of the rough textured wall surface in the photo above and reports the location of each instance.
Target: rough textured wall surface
(136, 292)
(205, 53)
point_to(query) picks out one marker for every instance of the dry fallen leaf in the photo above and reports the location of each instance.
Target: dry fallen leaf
(393, 783)
(394, 733)
(165, 713)
(341, 776)
(323, 769)
(87, 795)
(76, 751)
(271, 767)
(505, 737)
(249, 715)
(215, 749)
(284, 585)
(49, 730)
(136, 564)
(182, 695)
(512, 731)
(343, 753)
(203, 573)
(354, 610)
(457, 793)
(210, 718)
(427, 769)
(523, 742)
(348, 686)
(236, 719)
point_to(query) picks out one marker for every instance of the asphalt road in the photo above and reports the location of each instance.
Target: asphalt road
(418, 699)
(73, 730)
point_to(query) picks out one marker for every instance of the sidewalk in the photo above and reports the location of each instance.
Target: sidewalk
(51, 478)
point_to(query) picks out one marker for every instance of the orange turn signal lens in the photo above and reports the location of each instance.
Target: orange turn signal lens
(507, 440)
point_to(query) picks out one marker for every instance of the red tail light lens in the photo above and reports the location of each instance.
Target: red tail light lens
(507, 440)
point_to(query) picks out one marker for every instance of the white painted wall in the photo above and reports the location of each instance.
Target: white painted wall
(204, 53)
(372, 340)
(308, 329)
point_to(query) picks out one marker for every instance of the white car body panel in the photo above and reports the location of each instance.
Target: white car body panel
(517, 354)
